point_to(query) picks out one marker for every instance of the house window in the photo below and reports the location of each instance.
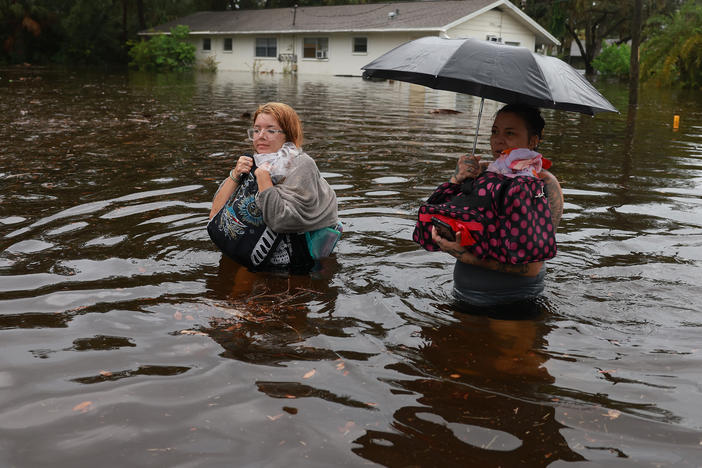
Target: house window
(494, 38)
(315, 47)
(360, 45)
(206, 43)
(512, 43)
(227, 44)
(266, 47)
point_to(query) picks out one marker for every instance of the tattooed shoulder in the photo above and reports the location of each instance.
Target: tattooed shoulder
(554, 193)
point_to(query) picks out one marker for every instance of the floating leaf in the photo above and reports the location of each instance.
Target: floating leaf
(309, 374)
(83, 407)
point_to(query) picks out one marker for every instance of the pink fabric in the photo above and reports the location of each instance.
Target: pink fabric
(517, 162)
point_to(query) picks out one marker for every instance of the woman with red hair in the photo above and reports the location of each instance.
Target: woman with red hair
(280, 194)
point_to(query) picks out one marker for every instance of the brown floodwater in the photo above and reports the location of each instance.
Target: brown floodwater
(127, 340)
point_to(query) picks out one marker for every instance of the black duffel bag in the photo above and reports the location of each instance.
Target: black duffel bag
(240, 233)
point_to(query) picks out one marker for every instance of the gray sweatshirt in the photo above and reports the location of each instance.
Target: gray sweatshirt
(303, 202)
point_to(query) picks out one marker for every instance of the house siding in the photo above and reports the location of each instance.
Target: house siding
(495, 22)
(453, 19)
(341, 58)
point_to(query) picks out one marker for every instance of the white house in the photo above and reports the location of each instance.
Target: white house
(339, 40)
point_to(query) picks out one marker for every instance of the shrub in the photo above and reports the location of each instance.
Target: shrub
(614, 60)
(209, 65)
(163, 52)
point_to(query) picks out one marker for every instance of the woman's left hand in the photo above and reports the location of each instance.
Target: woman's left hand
(263, 177)
(467, 167)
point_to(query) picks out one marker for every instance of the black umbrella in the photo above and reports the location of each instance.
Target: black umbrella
(502, 73)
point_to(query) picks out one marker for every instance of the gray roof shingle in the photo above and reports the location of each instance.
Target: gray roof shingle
(431, 15)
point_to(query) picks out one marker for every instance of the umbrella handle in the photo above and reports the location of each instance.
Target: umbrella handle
(477, 126)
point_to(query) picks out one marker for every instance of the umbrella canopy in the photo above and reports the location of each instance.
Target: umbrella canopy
(502, 73)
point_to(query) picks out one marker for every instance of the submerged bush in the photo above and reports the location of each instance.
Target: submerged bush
(209, 65)
(614, 61)
(163, 52)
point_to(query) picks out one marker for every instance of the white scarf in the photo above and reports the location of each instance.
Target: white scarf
(278, 163)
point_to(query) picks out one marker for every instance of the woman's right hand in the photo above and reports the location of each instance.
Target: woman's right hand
(467, 167)
(243, 166)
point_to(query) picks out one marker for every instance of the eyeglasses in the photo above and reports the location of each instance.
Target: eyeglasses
(269, 132)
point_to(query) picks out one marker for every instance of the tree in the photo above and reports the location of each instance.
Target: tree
(634, 68)
(589, 22)
(92, 33)
(598, 20)
(29, 30)
(673, 52)
(84, 31)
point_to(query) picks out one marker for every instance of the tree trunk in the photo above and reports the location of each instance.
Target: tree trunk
(634, 60)
(578, 42)
(140, 13)
(124, 22)
(592, 46)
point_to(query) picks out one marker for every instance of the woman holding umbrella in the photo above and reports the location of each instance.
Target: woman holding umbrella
(487, 282)
(502, 73)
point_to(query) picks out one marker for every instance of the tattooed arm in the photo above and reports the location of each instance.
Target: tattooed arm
(455, 249)
(555, 197)
(467, 167)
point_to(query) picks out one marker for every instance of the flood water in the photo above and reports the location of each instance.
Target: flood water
(127, 340)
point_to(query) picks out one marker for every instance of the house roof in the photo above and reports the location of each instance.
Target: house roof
(427, 16)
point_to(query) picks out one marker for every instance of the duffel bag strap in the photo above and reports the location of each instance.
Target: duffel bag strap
(265, 246)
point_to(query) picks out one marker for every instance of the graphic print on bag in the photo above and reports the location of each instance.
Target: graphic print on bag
(240, 233)
(238, 227)
(244, 208)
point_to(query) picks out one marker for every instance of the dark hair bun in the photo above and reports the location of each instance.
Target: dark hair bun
(531, 116)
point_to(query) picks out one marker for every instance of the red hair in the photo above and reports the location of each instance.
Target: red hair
(287, 118)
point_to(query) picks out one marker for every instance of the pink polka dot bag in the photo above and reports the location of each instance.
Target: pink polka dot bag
(502, 218)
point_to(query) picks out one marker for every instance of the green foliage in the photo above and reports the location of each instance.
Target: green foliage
(96, 31)
(163, 52)
(83, 31)
(613, 61)
(590, 22)
(551, 15)
(673, 52)
(92, 33)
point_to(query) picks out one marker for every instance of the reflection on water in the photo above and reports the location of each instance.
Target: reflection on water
(126, 333)
(477, 379)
